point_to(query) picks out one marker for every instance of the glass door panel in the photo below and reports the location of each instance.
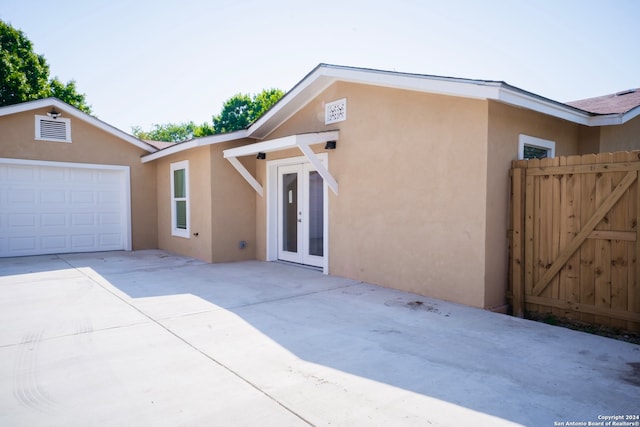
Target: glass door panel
(316, 214)
(290, 212)
(301, 215)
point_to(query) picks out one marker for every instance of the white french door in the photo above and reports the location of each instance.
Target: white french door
(301, 214)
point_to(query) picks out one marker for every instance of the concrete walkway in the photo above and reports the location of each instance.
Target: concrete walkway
(150, 338)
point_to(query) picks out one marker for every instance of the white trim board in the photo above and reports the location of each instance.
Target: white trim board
(272, 207)
(533, 141)
(302, 141)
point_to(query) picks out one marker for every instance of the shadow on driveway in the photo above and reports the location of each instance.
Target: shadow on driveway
(335, 351)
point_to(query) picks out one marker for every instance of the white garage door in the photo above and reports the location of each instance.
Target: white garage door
(52, 207)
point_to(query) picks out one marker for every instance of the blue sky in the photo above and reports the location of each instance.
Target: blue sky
(144, 62)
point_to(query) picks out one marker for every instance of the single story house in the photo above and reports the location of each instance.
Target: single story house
(396, 179)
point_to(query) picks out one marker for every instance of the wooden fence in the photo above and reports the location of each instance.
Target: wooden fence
(574, 244)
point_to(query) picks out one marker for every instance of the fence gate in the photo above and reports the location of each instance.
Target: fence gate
(574, 238)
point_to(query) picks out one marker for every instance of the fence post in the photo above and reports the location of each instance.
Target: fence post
(517, 237)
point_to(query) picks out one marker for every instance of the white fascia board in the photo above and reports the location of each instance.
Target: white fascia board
(430, 84)
(74, 112)
(615, 119)
(282, 143)
(607, 120)
(182, 146)
(551, 108)
(197, 142)
(293, 96)
(630, 115)
(261, 147)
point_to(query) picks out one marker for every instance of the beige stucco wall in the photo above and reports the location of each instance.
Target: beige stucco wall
(624, 137)
(196, 246)
(506, 123)
(222, 206)
(89, 145)
(411, 170)
(233, 206)
(588, 140)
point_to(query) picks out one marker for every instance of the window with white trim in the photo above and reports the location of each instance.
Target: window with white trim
(530, 147)
(50, 129)
(180, 199)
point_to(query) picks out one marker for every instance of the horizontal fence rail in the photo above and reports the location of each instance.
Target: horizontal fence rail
(574, 247)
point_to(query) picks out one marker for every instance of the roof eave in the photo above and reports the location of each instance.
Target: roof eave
(74, 112)
(324, 75)
(196, 142)
(520, 98)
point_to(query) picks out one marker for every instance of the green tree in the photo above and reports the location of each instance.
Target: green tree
(24, 75)
(265, 100)
(241, 110)
(173, 132)
(237, 113)
(69, 94)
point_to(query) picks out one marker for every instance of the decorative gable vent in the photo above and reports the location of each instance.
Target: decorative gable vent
(335, 111)
(48, 129)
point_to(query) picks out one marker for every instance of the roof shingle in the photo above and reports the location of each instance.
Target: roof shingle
(615, 103)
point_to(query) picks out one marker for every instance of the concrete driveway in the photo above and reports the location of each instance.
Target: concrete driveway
(150, 338)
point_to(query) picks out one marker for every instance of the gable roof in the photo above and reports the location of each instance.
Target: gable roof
(74, 112)
(324, 75)
(615, 103)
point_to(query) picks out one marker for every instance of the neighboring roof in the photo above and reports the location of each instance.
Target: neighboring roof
(160, 145)
(74, 112)
(324, 75)
(615, 103)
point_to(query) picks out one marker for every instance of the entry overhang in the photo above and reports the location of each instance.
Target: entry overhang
(301, 141)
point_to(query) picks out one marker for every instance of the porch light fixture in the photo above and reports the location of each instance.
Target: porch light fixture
(261, 156)
(330, 145)
(53, 113)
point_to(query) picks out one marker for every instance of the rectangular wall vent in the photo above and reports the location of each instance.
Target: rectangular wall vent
(335, 111)
(48, 129)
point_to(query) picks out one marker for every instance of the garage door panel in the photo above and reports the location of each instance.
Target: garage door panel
(21, 197)
(21, 220)
(81, 219)
(81, 176)
(82, 197)
(21, 174)
(83, 241)
(53, 220)
(53, 196)
(57, 209)
(110, 240)
(53, 243)
(52, 175)
(20, 244)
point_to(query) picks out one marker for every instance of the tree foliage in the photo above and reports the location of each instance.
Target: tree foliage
(173, 132)
(241, 110)
(69, 94)
(237, 113)
(24, 75)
